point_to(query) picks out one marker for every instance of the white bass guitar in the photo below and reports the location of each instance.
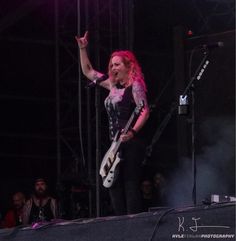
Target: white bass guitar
(111, 159)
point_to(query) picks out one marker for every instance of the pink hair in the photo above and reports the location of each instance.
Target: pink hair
(130, 61)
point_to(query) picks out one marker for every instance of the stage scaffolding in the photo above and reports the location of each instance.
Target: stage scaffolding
(110, 26)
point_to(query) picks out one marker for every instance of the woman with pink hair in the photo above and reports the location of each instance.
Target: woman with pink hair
(127, 89)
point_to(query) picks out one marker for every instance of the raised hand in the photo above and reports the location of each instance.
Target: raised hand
(82, 41)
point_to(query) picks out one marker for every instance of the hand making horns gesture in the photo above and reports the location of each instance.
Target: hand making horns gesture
(82, 41)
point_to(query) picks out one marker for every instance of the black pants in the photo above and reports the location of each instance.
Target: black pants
(125, 193)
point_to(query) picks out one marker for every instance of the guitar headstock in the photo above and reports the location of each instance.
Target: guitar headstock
(139, 107)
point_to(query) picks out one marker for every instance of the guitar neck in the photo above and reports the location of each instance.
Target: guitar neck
(125, 130)
(127, 126)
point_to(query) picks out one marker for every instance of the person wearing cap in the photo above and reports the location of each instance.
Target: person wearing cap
(41, 206)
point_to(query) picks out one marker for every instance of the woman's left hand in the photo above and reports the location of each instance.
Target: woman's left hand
(126, 137)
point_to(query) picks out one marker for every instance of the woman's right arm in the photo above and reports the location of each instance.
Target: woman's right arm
(86, 65)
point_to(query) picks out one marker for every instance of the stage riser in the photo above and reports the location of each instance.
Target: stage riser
(159, 225)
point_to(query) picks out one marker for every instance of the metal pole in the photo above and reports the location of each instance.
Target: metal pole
(194, 166)
(197, 76)
(57, 77)
(128, 26)
(120, 21)
(131, 25)
(89, 140)
(110, 25)
(98, 116)
(80, 97)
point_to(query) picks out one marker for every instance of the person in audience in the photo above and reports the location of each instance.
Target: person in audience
(148, 196)
(41, 206)
(159, 183)
(14, 215)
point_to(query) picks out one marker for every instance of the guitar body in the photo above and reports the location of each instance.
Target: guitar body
(108, 169)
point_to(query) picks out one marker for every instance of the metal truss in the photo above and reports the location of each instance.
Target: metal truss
(105, 21)
(209, 16)
(110, 27)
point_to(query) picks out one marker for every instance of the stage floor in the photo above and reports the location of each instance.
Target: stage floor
(216, 222)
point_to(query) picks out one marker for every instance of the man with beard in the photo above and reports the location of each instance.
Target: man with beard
(40, 207)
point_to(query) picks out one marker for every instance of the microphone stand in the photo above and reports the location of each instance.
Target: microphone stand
(197, 76)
